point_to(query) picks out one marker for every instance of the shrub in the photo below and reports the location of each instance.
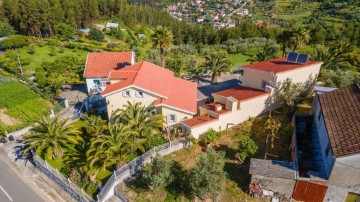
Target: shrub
(246, 147)
(96, 35)
(209, 136)
(31, 49)
(208, 175)
(157, 175)
(15, 41)
(6, 30)
(153, 140)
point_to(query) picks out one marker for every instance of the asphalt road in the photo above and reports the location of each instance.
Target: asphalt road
(13, 188)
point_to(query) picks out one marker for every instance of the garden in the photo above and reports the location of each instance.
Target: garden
(19, 105)
(216, 167)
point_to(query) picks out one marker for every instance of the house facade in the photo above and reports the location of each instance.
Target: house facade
(336, 123)
(252, 98)
(148, 83)
(116, 80)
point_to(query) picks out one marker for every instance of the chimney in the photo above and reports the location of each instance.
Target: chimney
(218, 107)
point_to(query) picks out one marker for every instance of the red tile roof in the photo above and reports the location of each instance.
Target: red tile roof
(341, 112)
(99, 64)
(211, 107)
(309, 192)
(198, 121)
(242, 93)
(174, 92)
(277, 65)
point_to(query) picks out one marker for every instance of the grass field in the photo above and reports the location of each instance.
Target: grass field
(238, 59)
(48, 53)
(19, 105)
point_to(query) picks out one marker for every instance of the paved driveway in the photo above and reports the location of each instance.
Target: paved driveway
(13, 188)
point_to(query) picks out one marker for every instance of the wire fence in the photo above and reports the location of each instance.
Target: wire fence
(71, 188)
(135, 165)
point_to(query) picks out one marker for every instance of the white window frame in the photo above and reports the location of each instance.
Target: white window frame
(169, 119)
(103, 84)
(126, 93)
(139, 94)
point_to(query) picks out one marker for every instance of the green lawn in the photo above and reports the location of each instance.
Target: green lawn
(46, 53)
(238, 59)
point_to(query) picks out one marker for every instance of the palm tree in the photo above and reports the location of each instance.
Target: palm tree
(299, 37)
(95, 125)
(335, 57)
(114, 148)
(218, 63)
(284, 39)
(197, 72)
(76, 156)
(163, 38)
(51, 136)
(139, 118)
(269, 51)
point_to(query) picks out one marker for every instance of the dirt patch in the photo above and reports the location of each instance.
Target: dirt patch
(6, 119)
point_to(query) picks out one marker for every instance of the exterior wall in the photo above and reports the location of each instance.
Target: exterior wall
(219, 98)
(323, 138)
(117, 100)
(90, 84)
(300, 75)
(345, 178)
(179, 114)
(254, 79)
(249, 108)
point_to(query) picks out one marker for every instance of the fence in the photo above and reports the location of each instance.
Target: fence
(134, 166)
(71, 188)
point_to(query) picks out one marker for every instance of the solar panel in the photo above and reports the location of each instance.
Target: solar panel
(292, 57)
(302, 58)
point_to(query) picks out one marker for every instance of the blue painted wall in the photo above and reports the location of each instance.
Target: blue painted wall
(323, 138)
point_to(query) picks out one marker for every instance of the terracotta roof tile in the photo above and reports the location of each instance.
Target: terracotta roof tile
(242, 93)
(341, 112)
(174, 92)
(99, 64)
(277, 65)
(198, 121)
(309, 191)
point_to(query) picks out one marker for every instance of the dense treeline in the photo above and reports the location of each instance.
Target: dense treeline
(38, 18)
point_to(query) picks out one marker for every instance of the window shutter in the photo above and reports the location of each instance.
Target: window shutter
(167, 117)
(175, 118)
(124, 93)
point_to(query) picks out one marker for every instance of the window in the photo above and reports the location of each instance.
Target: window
(327, 150)
(171, 118)
(126, 93)
(139, 94)
(104, 83)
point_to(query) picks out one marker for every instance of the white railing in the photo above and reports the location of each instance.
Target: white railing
(134, 166)
(70, 187)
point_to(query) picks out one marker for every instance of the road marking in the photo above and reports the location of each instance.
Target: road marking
(6, 193)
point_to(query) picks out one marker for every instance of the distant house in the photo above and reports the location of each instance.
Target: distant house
(110, 25)
(252, 98)
(85, 31)
(141, 36)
